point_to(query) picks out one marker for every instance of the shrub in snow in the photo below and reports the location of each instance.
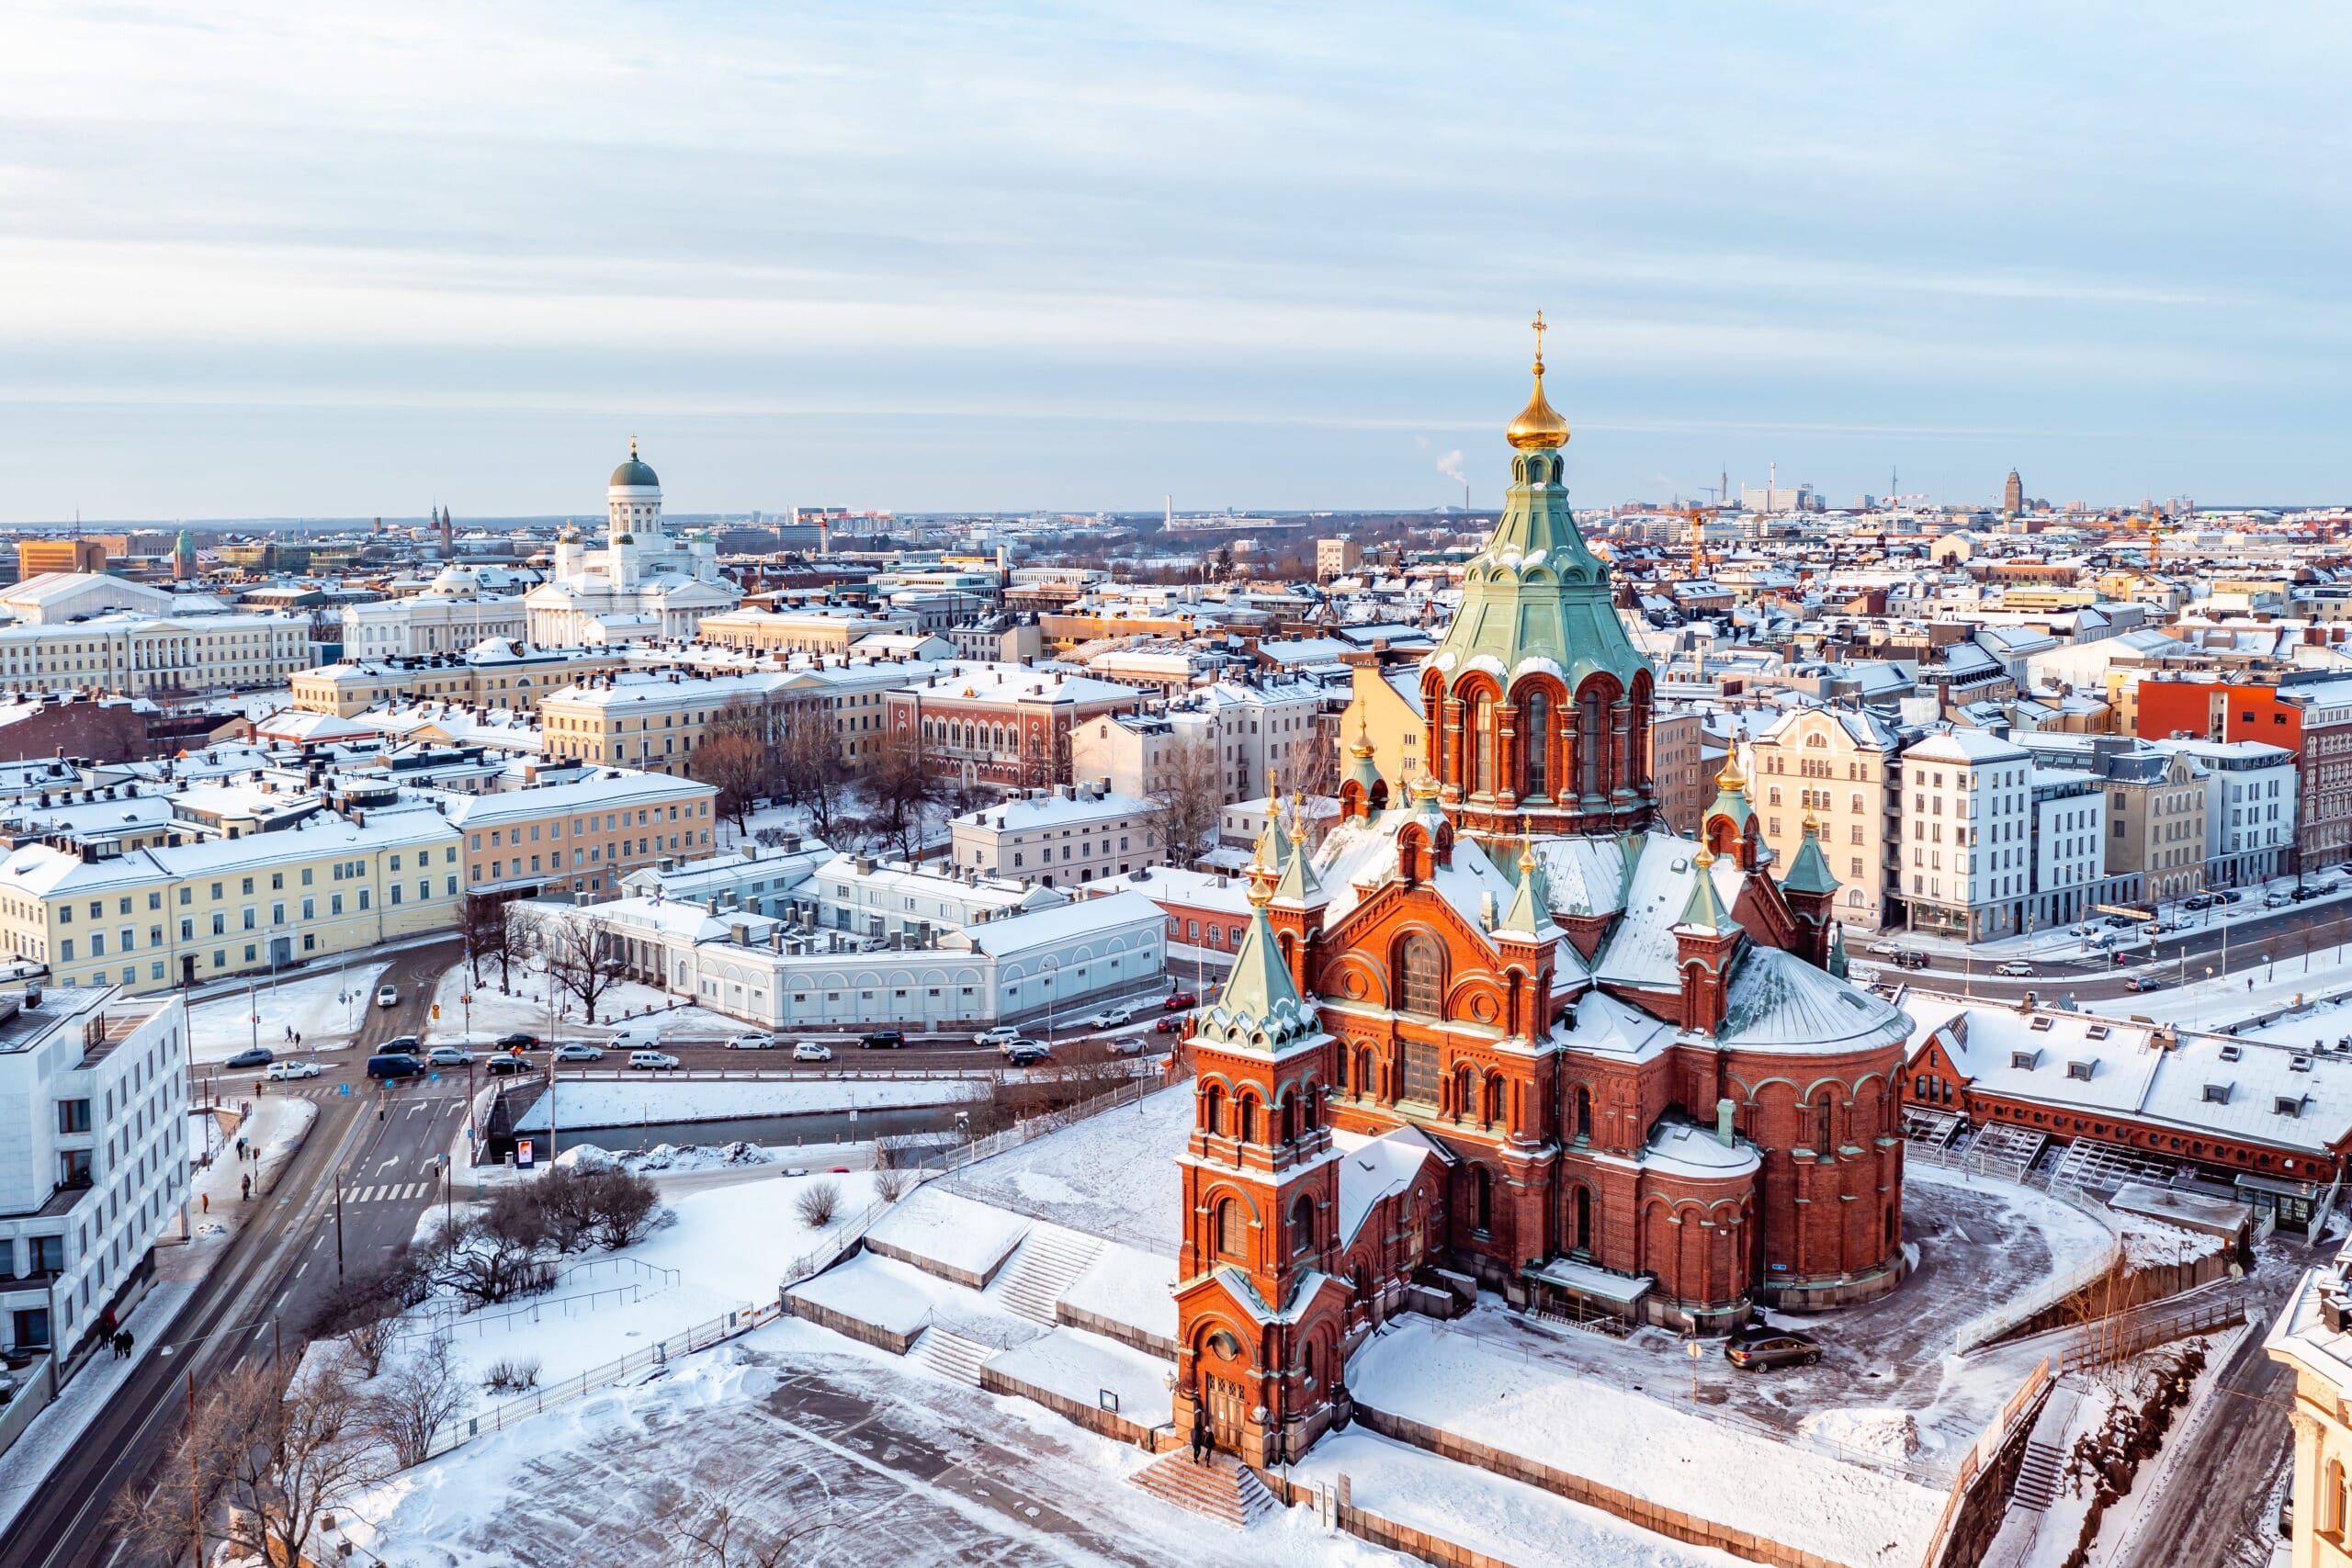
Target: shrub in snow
(892, 1185)
(818, 1204)
(511, 1376)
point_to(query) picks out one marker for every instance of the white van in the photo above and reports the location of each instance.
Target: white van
(635, 1037)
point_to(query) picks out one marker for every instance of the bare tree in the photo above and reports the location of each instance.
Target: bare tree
(410, 1403)
(363, 1311)
(1191, 796)
(809, 768)
(277, 1452)
(902, 792)
(736, 759)
(488, 926)
(583, 962)
(817, 1205)
(502, 1253)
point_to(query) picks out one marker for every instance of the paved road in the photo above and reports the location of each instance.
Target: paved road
(269, 1278)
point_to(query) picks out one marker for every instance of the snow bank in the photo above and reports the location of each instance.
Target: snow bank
(1799, 1497)
(1112, 1175)
(668, 1157)
(2152, 1244)
(1083, 1367)
(961, 1238)
(495, 1013)
(651, 1099)
(1887, 1434)
(295, 1118)
(1487, 1513)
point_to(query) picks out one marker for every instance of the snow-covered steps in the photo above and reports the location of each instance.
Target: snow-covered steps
(952, 1355)
(2038, 1474)
(1224, 1489)
(951, 1236)
(1050, 1261)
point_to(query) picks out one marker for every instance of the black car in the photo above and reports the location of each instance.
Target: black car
(1757, 1348)
(518, 1042)
(884, 1039)
(1912, 959)
(1027, 1054)
(409, 1044)
(389, 1065)
(504, 1064)
(259, 1057)
(2143, 983)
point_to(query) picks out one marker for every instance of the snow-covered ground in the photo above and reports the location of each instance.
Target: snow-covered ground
(525, 1010)
(328, 1007)
(1506, 1520)
(650, 1099)
(1798, 1497)
(1113, 1175)
(671, 1157)
(952, 1230)
(2296, 978)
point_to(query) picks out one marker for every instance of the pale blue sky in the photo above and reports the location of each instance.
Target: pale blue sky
(264, 259)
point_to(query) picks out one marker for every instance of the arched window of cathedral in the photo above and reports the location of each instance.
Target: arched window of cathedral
(1495, 1111)
(1245, 1118)
(1580, 1221)
(1345, 1060)
(1212, 1108)
(1823, 1138)
(1424, 971)
(1482, 746)
(1535, 723)
(1367, 1081)
(1583, 1115)
(1306, 1364)
(1482, 1199)
(1301, 1226)
(1232, 1229)
(1593, 722)
(1307, 1095)
(1462, 1092)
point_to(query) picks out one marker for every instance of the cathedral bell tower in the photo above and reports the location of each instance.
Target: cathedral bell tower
(1259, 1310)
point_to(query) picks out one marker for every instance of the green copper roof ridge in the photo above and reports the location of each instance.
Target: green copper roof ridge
(1810, 872)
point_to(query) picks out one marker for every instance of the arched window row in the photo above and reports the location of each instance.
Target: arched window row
(1538, 747)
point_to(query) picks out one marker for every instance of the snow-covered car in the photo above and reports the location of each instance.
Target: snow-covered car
(1886, 949)
(1017, 1046)
(753, 1042)
(652, 1061)
(576, 1052)
(279, 1072)
(812, 1051)
(387, 996)
(449, 1056)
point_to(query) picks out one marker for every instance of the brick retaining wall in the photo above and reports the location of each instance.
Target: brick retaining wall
(841, 1322)
(1151, 1439)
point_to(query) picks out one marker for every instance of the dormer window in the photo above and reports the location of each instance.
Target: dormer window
(2300, 1065)
(2079, 1071)
(2023, 1061)
(2231, 1053)
(2043, 1025)
(2289, 1105)
(2097, 1032)
(2218, 1093)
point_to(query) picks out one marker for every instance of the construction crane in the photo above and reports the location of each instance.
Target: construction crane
(1699, 517)
(2154, 523)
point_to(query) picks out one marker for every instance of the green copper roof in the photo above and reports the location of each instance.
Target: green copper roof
(1297, 884)
(1705, 911)
(1536, 591)
(1838, 963)
(1259, 1005)
(1365, 771)
(1527, 912)
(1810, 872)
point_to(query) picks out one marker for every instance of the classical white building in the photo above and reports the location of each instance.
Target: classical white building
(93, 1157)
(1060, 837)
(139, 654)
(454, 614)
(644, 583)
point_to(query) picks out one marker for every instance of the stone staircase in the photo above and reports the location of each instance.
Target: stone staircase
(1049, 1265)
(1224, 1489)
(954, 1355)
(2038, 1477)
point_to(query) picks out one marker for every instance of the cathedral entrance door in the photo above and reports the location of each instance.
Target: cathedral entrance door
(1228, 1411)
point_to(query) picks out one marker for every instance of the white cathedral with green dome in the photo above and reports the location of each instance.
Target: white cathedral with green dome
(644, 583)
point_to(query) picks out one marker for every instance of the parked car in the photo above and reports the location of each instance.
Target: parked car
(576, 1052)
(635, 1037)
(2084, 929)
(1912, 959)
(2015, 966)
(389, 1065)
(398, 1043)
(754, 1041)
(1757, 1348)
(812, 1051)
(997, 1036)
(507, 1063)
(1886, 949)
(2199, 901)
(1173, 1024)
(2230, 896)
(1028, 1053)
(1180, 1001)
(652, 1061)
(1111, 1018)
(518, 1041)
(2277, 900)
(2299, 894)
(884, 1039)
(2122, 922)
(280, 1072)
(259, 1057)
(387, 996)
(2143, 983)
(1128, 1044)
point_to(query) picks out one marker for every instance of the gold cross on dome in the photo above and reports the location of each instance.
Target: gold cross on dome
(1539, 337)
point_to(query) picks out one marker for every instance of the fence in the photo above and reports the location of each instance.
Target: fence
(701, 1337)
(1131, 1092)
(2125, 1334)
(2020, 1407)
(1994, 1322)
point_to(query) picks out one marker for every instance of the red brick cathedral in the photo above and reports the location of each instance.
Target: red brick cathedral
(1511, 1029)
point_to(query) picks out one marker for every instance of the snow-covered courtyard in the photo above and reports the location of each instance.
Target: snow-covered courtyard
(536, 1006)
(328, 1007)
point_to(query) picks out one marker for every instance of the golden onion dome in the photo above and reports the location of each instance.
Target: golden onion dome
(1730, 780)
(1539, 426)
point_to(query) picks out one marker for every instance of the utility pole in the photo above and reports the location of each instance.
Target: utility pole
(338, 1227)
(195, 1487)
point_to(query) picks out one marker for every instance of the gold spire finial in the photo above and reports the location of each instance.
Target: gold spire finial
(1298, 817)
(1812, 826)
(1362, 746)
(1526, 845)
(632, 440)
(1705, 858)
(1730, 780)
(1539, 426)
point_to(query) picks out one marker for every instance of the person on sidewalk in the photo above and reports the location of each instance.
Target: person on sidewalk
(244, 1190)
(1203, 1444)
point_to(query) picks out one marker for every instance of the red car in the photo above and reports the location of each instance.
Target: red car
(1180, 1001)
(1169, 1025)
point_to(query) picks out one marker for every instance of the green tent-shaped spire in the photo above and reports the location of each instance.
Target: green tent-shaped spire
(1810, 872)
(1530, 908)
(1296, 886)
(1259, 1007)
(1838, 963)
(1705, 909)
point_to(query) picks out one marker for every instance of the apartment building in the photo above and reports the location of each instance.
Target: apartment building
(653, 720)
(311, 884)
(1677, 768)
(1262, 739)
(885, 898)
(496, 673)
(821, 630)
(582, 836)
(1386, 708)
(1004, 725)
(2069, 847)
(1071, 834)
(1965, 822)
(141, 654)
(2157, 803)
(1838, 767)
(2250, 820)
(93, 1160)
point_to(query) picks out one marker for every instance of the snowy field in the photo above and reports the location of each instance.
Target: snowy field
(1802, 1498)
(650, 1098)
(1114, 1176)
(527, 1012)
(222, 1027)
(952, 1230)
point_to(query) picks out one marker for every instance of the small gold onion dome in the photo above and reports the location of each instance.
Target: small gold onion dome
(1361, 747)
(1539, 426)
(1423, 787)
(1526, 845)
(1730, 780)
(1812, 826)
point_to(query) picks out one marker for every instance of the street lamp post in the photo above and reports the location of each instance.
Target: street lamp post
(1053, 973)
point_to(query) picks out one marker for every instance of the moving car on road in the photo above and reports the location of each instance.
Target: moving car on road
(409, 1044)
(997, 1036)
(259, 1057)
(387, 996)
(1111, 1018)
(518, 1041)
(2016, 967)
(2143, 983)
(652, 1061)
(389, 1065)
(1027, 1053)
(280, 1072)
(1757, 1348)
(1173, 1024)
(753, 1042)
(812, 1051)
(1180, 1001)
(884, 1039)
(450, 1056)
(576, 1052)
(506, 1064)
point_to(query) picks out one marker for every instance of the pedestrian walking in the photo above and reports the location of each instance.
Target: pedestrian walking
(244, 1189)
(206, 1200)
(1203, 1443)
(298, 1040)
